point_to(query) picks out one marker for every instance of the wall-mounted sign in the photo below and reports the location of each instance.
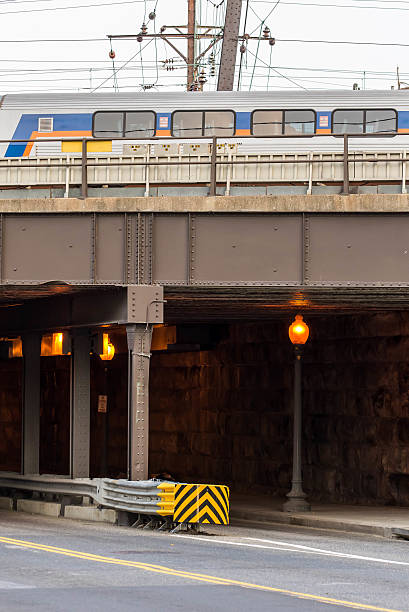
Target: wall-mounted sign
(102, 403)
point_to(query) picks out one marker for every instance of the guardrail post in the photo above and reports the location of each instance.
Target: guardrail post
(139, 346)
(31, 404)
(213, 167)
(84, 170)
(80, 405)
(346, 166)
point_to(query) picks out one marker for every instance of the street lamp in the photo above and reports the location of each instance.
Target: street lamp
(298, 333)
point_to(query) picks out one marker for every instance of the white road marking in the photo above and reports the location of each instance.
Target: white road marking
(5, 585)
(320, 551)
(295, 548)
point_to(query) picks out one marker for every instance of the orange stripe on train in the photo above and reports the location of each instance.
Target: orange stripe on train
(242, 132)
(73, 133)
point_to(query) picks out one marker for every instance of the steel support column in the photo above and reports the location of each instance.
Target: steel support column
(229, 48)
(139, 346)
(80, 405)
(30, 463)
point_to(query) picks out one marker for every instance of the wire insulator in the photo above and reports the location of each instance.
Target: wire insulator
(112, 54)
(272, 42)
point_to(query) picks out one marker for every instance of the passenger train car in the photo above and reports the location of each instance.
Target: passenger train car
(231, 116)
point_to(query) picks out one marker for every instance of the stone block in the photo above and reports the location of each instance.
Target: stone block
(91, 513)
(34, 506)
(6, 503)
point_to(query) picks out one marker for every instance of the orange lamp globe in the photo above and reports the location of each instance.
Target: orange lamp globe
(108, 348)
(298, 331)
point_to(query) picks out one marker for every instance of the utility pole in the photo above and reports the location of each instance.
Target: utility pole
(192, 32)
(191, 42)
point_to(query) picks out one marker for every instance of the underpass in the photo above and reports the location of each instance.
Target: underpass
(208, 286)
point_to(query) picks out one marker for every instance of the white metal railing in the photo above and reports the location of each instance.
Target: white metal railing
(231, 168)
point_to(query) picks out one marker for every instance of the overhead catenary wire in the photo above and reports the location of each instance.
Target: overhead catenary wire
(123, 65)
(241, 55)
(346, 6)
(255, 74)
(66, 8)
(263, 21)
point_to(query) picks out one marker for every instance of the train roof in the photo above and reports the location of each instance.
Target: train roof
(217, 99)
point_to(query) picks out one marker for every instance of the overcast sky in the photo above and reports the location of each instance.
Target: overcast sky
(84, 66)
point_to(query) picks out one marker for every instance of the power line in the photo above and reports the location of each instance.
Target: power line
(361, 1)
(52, 40)
(66, 8)
(241, 55)
(341, 42)
(123, 66)
(282, 75)
(347, 6)
(265, 18)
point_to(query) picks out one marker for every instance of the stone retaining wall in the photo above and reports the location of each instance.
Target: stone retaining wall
(225, 415)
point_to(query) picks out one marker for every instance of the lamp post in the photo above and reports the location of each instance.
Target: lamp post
(296, 502)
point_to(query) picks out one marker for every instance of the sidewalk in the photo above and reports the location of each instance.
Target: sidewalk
(385, 521)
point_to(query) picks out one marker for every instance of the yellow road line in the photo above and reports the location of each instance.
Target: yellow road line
(189, 575)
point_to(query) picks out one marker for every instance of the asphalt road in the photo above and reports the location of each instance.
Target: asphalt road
(59, 565)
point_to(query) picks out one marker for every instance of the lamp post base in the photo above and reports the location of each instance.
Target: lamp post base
(296, 502)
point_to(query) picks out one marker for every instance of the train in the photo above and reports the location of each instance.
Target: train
(255, 121)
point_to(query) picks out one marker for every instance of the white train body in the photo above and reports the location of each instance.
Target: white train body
(181, 117)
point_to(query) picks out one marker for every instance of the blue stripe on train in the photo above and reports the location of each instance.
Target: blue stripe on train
(243, 121)
(62, 122)
(323, 120)
(163, 121)
(403, 120)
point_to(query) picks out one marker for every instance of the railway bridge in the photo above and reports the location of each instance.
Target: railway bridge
(194, 296)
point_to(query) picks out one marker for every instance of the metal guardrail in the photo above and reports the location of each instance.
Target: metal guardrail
(51, 484)
(346, 159)
(138, 497)
(176, 503)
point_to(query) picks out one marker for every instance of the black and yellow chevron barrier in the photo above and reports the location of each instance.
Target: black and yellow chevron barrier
(194, 503)
(201, 504)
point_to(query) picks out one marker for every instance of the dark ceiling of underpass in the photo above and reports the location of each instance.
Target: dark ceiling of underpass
(199, 304)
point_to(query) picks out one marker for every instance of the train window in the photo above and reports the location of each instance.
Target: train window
(140, 124)
(219, 123)
(267, 123)
(348, 122)
(299, 122)
(109, 124)
(187, 124)
(353, 121)
(380, 121)
(276, 122)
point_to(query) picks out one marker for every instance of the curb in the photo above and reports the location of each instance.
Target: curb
(302, 520)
